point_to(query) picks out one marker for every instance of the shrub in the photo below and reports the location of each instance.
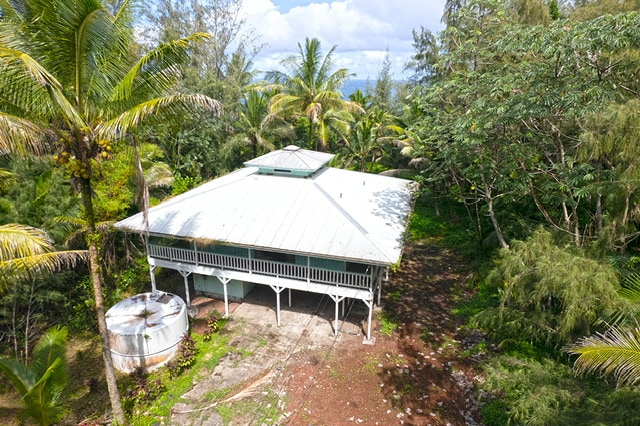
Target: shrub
(213, 326)
(140, 390)
(185, 358)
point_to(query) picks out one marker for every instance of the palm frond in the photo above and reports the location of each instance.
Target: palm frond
(20, 136)
(17, 241)
(29, 266)
(177, 105)
(24, 65)
(630, 287)
(616, 352)
(6, 178)
(156, 71)
(159, 175)
(22, 377)
(41, 384)
(50, 347)
(75, 222)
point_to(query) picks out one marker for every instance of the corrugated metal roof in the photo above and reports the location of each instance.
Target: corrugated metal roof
(334, 214)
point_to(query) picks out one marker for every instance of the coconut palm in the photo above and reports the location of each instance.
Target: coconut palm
(310, 88)
(257, 128)
(41, 383)
(70, 80)
(365, 143)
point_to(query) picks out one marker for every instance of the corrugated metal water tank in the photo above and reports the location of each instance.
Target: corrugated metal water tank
(145, 330)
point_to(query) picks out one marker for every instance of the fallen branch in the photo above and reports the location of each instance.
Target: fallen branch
(247, 391)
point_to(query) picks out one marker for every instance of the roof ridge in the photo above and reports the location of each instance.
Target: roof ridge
(363, 231)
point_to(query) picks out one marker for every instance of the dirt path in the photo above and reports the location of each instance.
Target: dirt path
(300, 373)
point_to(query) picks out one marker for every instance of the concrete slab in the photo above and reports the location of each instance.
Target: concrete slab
(264, 347)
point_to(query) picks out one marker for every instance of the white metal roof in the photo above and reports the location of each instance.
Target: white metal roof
(333, 214)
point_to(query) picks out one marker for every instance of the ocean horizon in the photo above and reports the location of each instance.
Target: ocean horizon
(354, 84)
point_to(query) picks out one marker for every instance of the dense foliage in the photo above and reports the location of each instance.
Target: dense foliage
(520, 121)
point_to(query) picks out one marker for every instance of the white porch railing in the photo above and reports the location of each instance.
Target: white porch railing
(262, 267)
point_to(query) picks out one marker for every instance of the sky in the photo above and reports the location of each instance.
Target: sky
(362, 31)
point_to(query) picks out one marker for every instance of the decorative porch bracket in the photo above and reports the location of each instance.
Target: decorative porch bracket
(185, 276)
(336, 299)
(152, 269)
(225, 281)
(278, 290)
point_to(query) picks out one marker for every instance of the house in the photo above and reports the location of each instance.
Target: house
(285, 220)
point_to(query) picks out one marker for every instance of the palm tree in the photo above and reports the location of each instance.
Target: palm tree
(69, 78)
(41, 383)
(310, 88)
(257, 128)
(365, 143)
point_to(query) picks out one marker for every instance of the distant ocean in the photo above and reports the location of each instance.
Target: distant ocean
(352, 85)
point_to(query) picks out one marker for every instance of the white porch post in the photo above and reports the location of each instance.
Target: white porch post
(278, 290)
(224, 282)
(289, 297)
(185, 275)
(336, 299)
(153, 278)
(369, 304)
(381, 280)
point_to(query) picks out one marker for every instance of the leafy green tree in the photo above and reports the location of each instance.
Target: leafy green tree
(609, 141)
(309, 88)
(219, 67)
(532, 12)
(502, 122)
(42, 382)
(215, 57)
(423, 61)
(70, 79)
(589, 9)
(382, 95)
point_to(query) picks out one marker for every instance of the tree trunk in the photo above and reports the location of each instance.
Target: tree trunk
(599, 213)
(492, 216)
(96, 279)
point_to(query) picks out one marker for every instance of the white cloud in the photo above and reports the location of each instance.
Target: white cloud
(363, 30)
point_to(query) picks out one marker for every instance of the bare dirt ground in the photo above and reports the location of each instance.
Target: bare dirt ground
(412, 377)
(311, 377)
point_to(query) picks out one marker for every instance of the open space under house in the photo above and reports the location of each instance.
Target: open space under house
(285, 220)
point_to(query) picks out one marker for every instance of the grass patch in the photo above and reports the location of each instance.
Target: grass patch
(264, 410)
(371, 365)
(209, 353)
(451, 229)
(387, 325)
